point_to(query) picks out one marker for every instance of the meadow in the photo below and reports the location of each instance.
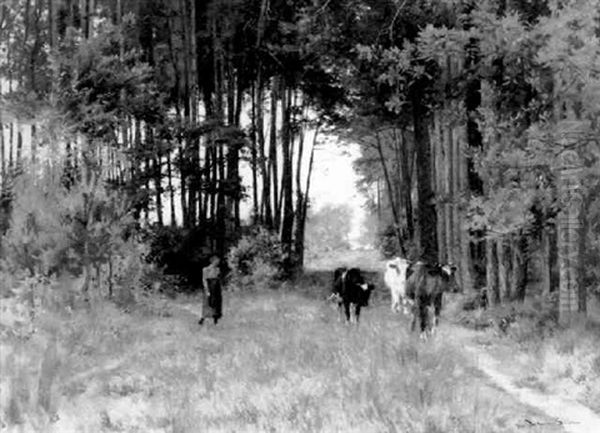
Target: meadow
(280, 361)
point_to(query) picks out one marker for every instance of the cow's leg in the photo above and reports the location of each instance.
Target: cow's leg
(437, 305)
(426, 325)
(415, 311)
(357, 312)
(423, 315)
(394, 301)
(406, 306)
(347, 310)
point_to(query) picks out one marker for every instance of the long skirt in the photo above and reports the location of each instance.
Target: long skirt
(212, 305)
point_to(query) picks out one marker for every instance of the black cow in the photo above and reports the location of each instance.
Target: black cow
(350, 287)
(426, 287)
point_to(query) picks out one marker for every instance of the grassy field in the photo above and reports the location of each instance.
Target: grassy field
(279, 362)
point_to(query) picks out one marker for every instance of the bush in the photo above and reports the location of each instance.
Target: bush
(179, 252)
(84, 230)
(256, 260)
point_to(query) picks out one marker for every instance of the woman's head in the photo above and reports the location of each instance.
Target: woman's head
(215, 260)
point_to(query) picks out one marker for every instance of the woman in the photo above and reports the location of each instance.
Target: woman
(212, 305)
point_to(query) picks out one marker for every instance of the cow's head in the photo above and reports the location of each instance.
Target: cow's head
(448, 272)
(367, 288)
(400, 265)
(448, 269)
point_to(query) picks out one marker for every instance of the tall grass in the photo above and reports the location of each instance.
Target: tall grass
(278, 362)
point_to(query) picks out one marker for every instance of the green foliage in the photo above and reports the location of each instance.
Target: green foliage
(38, 238)
(179, 252)
(55, 229)
(257, 260)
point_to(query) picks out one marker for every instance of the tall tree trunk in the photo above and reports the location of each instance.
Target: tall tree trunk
(159, 189)
(300, 198)
(286, 178)
(477, 248)
(221, 205)
(273, 155)
(189, 108)
(492, 283)
(11, 143)
(256, 216)
(233, 178)
(407, 158)
(427, 216)
(219, 157)
(520, 266)
(266, 180)
(19, 148)
(504, 266)
(180, 159)
(183, 173)
(390, 195)
(171, 190)
(33, 143)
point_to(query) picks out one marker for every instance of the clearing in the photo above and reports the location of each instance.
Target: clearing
(280, 361)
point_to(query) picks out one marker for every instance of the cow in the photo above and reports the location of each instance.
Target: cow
(426, 286)
(395, 279)
(350, 287)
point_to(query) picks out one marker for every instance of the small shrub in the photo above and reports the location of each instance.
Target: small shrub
(256, 260)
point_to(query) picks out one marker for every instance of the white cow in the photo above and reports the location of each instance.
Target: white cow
(395, 279)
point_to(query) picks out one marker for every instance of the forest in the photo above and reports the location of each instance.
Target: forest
(138, 138)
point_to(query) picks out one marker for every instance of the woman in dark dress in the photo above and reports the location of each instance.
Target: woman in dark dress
(212, 305)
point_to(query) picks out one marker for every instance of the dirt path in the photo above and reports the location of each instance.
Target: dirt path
(568, 413)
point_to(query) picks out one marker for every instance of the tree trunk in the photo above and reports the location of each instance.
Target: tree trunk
(390, 195)
(190, 110)
(287, 179)
(171, 190)
(273, 155)
(181, 151)
(520, 266)
(545, 266)
(504, 268)
(427, 216)
(256, 215)
(159, 189)
(266, 180)
(492, 277)
(300, 198)
(19, 149)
